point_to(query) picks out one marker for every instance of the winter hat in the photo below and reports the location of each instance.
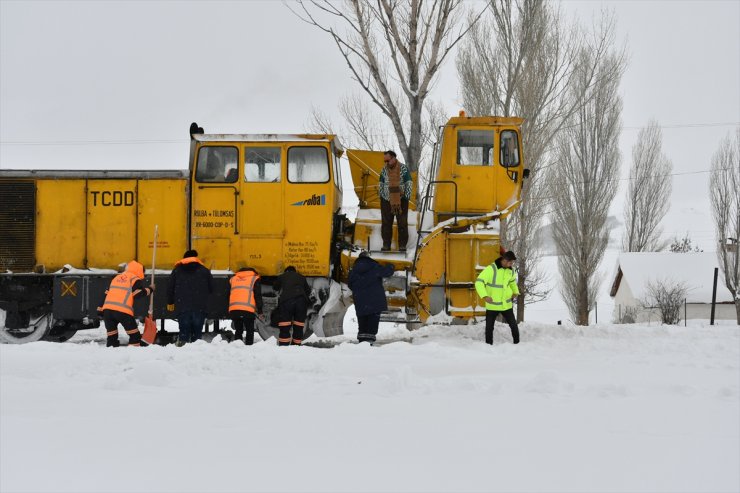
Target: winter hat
(190, 253)
(509, 256)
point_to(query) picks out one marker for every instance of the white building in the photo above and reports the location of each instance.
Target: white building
(695, 270)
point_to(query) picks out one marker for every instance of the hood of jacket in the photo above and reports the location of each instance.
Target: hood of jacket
(136, 269)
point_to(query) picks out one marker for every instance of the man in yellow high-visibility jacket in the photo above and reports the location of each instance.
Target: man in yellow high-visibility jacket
(496, 285)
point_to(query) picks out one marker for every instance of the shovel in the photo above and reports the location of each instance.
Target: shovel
(150, 326)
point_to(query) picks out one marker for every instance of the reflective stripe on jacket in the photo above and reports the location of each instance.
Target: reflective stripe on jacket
(120, 295)
(242, 291)
(500, 284)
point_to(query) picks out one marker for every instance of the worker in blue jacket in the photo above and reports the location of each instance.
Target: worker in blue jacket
(366, 283)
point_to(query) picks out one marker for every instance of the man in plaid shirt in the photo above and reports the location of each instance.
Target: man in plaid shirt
(395, 188)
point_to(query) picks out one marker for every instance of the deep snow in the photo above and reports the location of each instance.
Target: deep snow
(601, 409)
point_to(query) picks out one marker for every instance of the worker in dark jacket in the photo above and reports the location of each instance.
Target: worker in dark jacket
(366, 283)
(245, 303)
(293, 302)
(118, 307)
(188, 289)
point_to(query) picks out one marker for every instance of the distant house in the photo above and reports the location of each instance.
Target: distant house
(634, 271)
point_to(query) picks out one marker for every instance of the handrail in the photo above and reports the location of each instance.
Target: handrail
(425, 206)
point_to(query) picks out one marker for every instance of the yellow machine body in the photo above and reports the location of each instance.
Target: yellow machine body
(97, 219)
(268, 202)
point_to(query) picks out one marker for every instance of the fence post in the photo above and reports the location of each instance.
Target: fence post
(684, 312)
(714, 295)
(620, 313)
(596, 305)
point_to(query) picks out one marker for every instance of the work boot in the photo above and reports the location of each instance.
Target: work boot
(114, 343)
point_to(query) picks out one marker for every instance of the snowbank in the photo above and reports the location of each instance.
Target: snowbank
(605, 408)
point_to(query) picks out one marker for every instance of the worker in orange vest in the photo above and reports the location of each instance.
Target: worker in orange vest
(118, 307)
(245, 303)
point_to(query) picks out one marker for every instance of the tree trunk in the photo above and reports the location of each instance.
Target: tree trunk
(520, 308)
(737, 309)
(582, 303)
(414, 149)
(522, 292)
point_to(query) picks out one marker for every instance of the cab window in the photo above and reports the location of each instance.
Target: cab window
(509, 149)
(475, 147)
(308, 165)
(262, 164)
(217, 164)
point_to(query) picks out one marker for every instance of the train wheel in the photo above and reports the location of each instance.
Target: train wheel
(60, 334)
(39, 324)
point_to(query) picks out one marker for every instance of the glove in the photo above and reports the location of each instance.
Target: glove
(171, 307)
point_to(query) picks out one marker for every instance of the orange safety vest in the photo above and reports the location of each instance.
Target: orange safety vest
(242, 291)
(120, 294)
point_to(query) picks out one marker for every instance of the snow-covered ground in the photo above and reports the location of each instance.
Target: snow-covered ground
(600, 409)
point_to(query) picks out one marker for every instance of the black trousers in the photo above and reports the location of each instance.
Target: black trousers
(111, 319)
(367, 327)
(243, 320)
(508, 315)
(292, 316)
(386, 225)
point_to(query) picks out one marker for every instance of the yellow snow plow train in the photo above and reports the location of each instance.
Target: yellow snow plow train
(265, 201)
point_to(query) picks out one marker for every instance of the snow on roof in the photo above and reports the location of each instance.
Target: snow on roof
(267, 138)
(696, 270)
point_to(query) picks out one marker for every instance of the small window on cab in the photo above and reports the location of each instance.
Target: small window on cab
(217, 164)
(475, 147)
(509, 149)
(308, 165)
(262, 164)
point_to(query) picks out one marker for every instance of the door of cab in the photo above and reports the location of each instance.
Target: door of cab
(262, 210)
(214, 221)
(473, 169)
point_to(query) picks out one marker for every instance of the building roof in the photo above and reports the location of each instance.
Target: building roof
(695, 270)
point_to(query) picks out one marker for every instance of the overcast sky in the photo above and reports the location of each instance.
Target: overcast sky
(115, 85)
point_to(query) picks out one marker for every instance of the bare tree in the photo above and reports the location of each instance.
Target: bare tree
(518, 60)
(648, 193)
(586, 174)
(363, 127)
(683, 245)
(668, 297)
(724, 187)
(319, 122)
(394, 50)
(360, 128)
